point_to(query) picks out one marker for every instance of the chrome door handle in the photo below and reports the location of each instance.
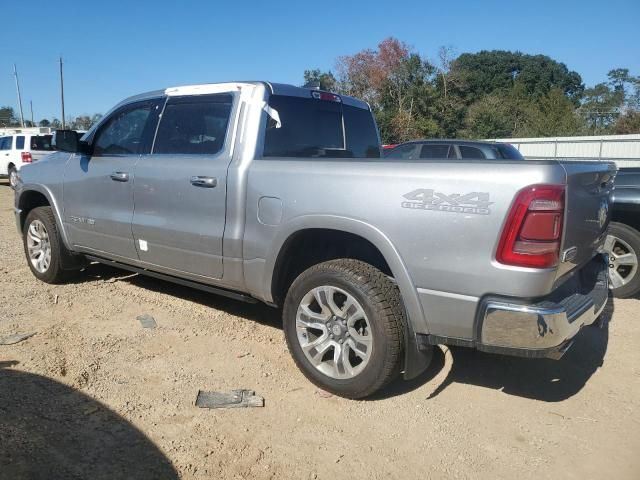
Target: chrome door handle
(120, 176)
(206, 182)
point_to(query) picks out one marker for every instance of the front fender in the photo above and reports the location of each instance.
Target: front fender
(20, 204)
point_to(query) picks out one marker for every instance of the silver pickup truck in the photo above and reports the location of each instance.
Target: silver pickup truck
(268, 192)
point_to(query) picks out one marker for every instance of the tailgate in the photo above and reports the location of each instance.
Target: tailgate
(39, 154)
(589, 190)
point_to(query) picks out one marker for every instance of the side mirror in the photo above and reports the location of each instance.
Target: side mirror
(66, 141)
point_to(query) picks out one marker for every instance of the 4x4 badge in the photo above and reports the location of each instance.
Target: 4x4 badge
(428, 199)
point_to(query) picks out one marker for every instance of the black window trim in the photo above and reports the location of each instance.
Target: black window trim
(229, 136)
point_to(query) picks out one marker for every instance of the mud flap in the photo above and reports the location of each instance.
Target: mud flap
(417, 354)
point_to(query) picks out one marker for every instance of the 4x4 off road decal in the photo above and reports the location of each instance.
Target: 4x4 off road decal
(427, 199)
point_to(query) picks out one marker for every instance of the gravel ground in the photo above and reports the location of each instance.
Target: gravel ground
(94, 395)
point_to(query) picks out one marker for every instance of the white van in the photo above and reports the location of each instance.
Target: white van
(19, 149)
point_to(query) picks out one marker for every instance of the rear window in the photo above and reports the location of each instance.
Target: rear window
(20, 142)
(506, 152)
(41, 142)
(319, 128)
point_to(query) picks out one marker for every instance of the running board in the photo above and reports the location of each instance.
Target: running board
(180, 281)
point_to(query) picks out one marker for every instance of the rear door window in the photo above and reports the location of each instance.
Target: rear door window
(41, 142)
(435, 150)
(470, 152)
(20, 142)
(311, 127)
(194, 125)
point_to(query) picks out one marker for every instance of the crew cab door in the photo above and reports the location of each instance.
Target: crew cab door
(180, 189)
(98, 185)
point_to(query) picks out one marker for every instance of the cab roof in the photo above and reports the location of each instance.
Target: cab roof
(219, 87)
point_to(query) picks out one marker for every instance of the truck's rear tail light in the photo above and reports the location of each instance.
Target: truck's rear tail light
(533, 232)
(26, 157)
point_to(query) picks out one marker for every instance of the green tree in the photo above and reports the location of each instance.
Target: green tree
(44, 123)
(8, 117)
(628, 123)
(325, 80)
(553, 115)
(487, 72)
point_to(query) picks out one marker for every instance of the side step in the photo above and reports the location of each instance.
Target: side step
(180, 281)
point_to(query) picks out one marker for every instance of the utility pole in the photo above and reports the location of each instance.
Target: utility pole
(15, 73)
(62, 92)
(33, 124)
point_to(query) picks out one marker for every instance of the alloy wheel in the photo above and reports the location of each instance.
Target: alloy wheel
(334, 332)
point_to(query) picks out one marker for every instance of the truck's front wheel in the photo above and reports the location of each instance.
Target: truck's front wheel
(344, 328)
(43, 247)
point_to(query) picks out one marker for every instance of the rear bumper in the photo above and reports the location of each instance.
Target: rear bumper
(546, 327)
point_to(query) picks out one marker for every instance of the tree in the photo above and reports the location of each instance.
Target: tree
(488, 72)
(398, 84)
(365, 73)
(628, 123)
(44, 123)
(82, 122)
(8, 117)
(325, 80)
(551, 116)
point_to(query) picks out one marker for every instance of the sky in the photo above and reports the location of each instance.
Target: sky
(114, 49)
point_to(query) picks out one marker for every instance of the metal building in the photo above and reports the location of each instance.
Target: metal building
(624, 150)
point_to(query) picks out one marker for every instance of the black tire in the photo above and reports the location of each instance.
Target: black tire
(55, 273)
(12, 173)
(630, 237)
(380, 299)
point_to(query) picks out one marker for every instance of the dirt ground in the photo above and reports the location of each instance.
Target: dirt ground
(94, 395)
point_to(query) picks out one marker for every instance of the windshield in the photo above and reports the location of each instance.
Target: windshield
(318, 128)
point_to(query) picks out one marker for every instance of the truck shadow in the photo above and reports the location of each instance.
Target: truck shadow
(540, 379)
(49, 430)
(256, 312)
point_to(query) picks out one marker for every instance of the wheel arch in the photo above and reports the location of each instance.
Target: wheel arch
(383, 252)
(32, 196)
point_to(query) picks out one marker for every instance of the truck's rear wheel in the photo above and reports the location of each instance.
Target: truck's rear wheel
(344, 328)
(43, 247)
(623, 246)
(13, 177)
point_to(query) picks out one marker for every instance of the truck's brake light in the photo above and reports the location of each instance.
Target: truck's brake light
(26, 157)
(331, 97)
(533, 232)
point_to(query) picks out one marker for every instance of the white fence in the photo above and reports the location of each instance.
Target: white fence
(624, 150)
(29, 130)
